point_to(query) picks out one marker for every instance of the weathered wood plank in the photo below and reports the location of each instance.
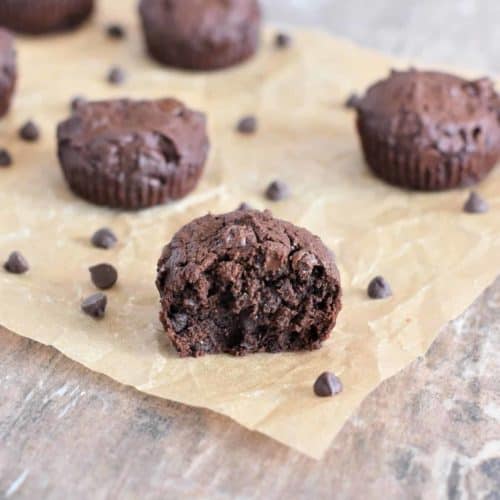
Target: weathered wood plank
(431, 431)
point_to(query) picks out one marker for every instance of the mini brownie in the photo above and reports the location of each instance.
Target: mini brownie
(8, 72)
(430, 131)
(201, 34)
(133, 154)
(245, 282)
(44, 16)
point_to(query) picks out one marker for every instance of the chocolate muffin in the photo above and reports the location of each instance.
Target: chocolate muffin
(44, 16)
(133, 154)
(245, 282)
(201, 34)
(8, 71)
(430, 131)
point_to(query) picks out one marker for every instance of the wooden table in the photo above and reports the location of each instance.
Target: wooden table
(432, 431)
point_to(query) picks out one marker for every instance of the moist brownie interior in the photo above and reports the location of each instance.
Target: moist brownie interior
(248, 289)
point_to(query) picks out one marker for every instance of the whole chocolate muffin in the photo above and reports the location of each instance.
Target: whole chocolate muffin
(44, 16)
(8, 72)
(201, 34)
(133, 154)
(430, 131)
(245, 282)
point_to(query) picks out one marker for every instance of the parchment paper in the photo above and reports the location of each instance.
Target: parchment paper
(437, 259)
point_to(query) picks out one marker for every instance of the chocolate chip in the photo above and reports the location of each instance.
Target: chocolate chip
(29, 132)
(116, 31)
(116, 75)
(179, 322)
(16, 264)
(247, 125)
(327, 384)
(95, 305)
(5, 158)
(245, 206)
(475, 204)
(282, 40)
(277, 191)
(104, 238)
(379, 288)
(352, 102)
(103, 276)
(77, 101)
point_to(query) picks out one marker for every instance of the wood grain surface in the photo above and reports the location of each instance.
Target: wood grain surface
(459, 33)
(432, 431)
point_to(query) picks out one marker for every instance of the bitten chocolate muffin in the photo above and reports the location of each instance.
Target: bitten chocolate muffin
(44, 16)
(8, 72)
(201, 34)
(133, 154)
(245, 282)
(430, 131)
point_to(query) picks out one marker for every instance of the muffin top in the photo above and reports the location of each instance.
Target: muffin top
(281, 247)
(125, 137)
(433, 109)
(215, 21)
(44, 16)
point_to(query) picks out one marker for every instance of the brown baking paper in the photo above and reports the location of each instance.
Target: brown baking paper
(436, 258)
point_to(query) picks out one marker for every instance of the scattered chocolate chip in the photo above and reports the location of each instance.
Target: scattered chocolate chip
(77, 101)
(247, 125)
(245, 206)
(475, 204)
(327, 384)
(16, 264)
(95, 305)
(116, 31)
(103, 276)
(282, 40)
(116, 75)
(104, 238)
(277, 191)
(179, 322)
(352, 102)
(379, 288)
(29, 132)
(5, 158)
